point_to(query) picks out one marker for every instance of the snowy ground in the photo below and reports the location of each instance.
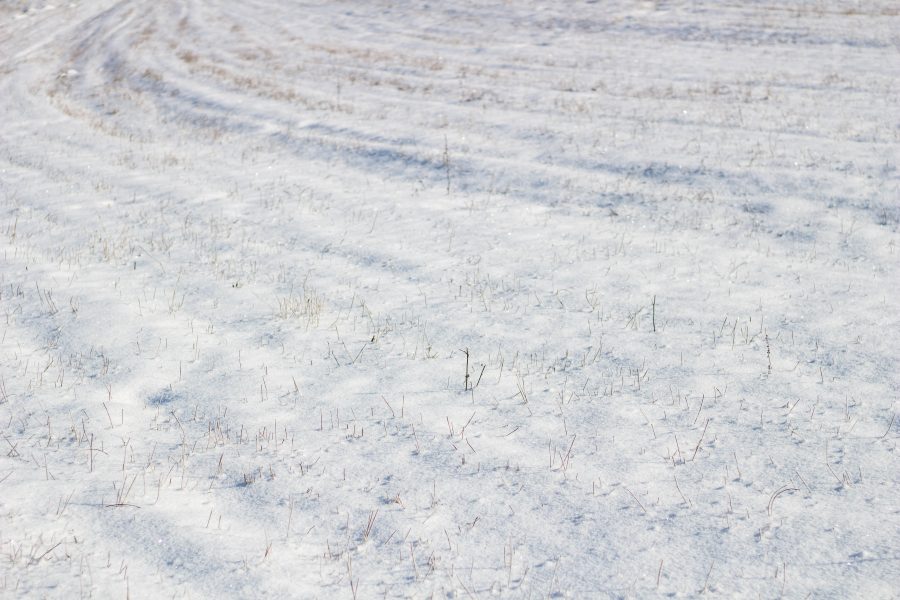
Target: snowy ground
(244, 247)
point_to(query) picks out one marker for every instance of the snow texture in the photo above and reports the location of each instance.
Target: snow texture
(464, 299)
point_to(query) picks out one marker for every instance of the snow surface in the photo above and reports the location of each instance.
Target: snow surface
(245, 246)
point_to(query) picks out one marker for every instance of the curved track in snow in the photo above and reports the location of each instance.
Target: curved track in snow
(244, 246)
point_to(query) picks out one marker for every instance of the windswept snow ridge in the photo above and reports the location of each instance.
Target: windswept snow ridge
(468, 299)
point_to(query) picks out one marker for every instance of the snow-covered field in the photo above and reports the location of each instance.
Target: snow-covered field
(464, 299)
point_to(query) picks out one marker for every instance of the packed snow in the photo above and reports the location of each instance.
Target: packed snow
(464, 300)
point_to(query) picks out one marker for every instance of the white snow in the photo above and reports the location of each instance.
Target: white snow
(245, 247)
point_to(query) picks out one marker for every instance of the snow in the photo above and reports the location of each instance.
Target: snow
(249, 248)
